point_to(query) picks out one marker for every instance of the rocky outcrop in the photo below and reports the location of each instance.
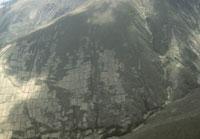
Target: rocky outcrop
(96, 72)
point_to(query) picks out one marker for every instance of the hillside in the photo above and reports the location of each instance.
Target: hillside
(101, 71)
(179, 120)
(20, 17)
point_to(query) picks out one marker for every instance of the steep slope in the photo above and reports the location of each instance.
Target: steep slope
(97, 72)
(20, 17)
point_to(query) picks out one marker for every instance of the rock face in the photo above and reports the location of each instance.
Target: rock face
(99, 71)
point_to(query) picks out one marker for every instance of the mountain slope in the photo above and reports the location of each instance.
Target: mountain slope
(179, 120)
(96, 73)
(23, 16)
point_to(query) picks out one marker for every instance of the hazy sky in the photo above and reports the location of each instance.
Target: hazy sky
(3, 1)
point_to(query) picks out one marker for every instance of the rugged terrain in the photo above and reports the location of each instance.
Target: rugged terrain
(102, 70)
